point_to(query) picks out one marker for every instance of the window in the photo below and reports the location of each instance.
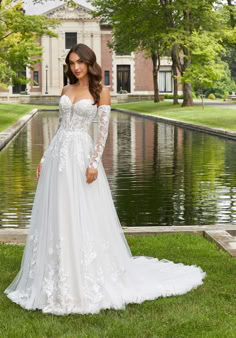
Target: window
(123, 78)
(35, 79)
(107, 78)
(71, 40)
(165, 81)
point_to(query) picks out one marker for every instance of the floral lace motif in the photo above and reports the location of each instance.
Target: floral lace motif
(56, 282)
(103, 124)
(33, 239)
(74, 122)
(94, 272)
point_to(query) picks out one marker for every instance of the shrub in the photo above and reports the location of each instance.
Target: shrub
(170, 96)
(211, 96)
(226, 94)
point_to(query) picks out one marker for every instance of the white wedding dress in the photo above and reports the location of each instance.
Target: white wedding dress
(76, 258)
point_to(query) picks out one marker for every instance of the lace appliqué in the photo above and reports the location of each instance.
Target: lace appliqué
(58, 127)
(103, 124)
(94, 272)
(33, 239)
(56, 282)
(73, 129)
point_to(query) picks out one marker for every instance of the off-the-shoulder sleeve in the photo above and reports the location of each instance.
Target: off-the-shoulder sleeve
(59, 124)
(103, 124)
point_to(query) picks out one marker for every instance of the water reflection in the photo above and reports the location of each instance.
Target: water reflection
(159, 174)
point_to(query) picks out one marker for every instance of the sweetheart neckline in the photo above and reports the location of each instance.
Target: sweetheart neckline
(76, 101)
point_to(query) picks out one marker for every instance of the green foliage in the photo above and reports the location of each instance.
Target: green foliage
(230, 58)
(211, 96)
(206, 67)
(18, 40)
(185, 26)
(170, 96)
(224, 86)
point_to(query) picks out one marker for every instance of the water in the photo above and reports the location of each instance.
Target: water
(159, 174)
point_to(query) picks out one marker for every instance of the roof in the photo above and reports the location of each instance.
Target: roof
(32, 9)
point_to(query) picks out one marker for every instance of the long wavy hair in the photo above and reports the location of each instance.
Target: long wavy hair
(88, 56)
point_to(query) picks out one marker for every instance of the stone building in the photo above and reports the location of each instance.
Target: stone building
(131, 73)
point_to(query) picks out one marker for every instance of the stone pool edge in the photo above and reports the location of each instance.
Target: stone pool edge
(7, 134)
(216, 233)
(202, 128)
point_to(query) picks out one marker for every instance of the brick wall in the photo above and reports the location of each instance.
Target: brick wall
(37, 67)
(143, 73)
(106, 57)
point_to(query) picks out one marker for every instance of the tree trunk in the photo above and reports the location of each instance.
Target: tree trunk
(155, 77)
(187, 91)
(232, 20)
(174, 72)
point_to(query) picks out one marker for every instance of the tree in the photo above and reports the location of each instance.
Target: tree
(133, 29)
(206, 67)
(183, 17)
(228, 14)
(18, 40)
(169, 23)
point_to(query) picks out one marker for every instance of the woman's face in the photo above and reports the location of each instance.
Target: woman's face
(77, 66)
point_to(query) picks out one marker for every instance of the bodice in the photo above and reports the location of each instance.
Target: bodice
(77, 116)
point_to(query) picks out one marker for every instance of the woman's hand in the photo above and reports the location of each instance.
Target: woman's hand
(38, 170)
(91, 174)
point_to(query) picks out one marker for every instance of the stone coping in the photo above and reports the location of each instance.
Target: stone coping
(7, 134)
(221, 234)
(202, 128)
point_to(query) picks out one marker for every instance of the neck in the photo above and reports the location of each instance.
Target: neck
(84, 82)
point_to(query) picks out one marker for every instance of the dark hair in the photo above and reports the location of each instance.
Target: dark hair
(88, 56)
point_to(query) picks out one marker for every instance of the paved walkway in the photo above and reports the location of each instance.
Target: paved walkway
(223, 235)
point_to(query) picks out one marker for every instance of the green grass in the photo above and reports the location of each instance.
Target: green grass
(10, 113)
(219, 117)
(208, 311)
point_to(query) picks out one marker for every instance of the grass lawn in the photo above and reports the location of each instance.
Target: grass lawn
(208, 311)
(10, 113)
(220, 117)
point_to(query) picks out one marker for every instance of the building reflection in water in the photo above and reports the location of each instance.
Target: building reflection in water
(159, 174)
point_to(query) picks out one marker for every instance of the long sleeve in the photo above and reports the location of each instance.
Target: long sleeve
(59, 124)
(103, 124)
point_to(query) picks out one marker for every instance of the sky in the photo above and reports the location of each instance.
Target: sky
(30, 8)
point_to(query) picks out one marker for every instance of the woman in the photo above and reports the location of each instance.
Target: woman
(76, 258)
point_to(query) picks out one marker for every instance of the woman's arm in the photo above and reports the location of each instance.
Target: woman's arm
(104, 109)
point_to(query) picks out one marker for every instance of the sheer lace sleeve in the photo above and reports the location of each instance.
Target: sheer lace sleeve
(59, 124)
(103, 123)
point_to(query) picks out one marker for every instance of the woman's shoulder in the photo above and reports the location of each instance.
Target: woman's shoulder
(65, 89)
(105, 96)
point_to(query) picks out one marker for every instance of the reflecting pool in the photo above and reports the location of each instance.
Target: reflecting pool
(159, 174)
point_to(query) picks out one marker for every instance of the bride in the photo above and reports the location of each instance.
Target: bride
(76, 258)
